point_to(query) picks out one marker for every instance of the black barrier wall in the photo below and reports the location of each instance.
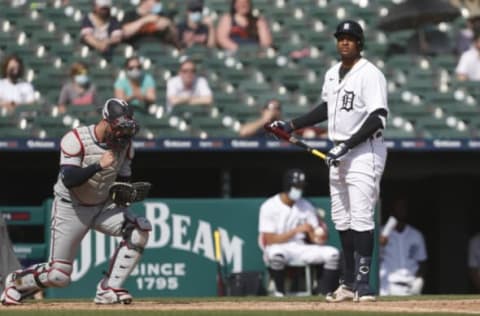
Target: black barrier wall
(441, 187)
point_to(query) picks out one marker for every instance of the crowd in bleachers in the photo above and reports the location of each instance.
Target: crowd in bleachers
(230, 57)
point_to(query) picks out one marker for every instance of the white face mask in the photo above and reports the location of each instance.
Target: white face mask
(134, 73)
(195, 17)
(81, 79)
(157, 8)
(295, 194)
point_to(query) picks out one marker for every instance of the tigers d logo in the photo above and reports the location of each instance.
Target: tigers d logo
(347, 101)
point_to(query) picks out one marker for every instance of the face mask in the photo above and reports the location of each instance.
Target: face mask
(295, 194)
(81, 79)
(157, 8)
(134, 73)
(195, 17)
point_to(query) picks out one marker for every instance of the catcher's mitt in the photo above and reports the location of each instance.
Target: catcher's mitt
(141, 190)
(122, 193)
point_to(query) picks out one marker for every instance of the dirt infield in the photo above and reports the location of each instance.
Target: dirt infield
(465, 306)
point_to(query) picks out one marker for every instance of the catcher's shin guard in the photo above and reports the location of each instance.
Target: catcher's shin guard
(23, 283)
(129, 251)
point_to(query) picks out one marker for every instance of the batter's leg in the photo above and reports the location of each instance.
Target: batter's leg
(135, 232)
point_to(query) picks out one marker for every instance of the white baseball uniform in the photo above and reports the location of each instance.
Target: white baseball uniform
(277, 217)
(399, 260)
(355, 183)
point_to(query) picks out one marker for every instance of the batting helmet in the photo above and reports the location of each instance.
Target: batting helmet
(352, 28)
(294, 178)
(119, 114)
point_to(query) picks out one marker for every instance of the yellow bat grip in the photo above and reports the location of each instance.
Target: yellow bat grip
(218, 250)
(318, 154)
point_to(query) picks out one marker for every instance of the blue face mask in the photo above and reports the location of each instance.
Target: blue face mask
(81, 79)
(295, 193)
(195, 17)
(157, 8)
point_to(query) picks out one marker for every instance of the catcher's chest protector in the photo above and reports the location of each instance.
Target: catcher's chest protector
(96, 189)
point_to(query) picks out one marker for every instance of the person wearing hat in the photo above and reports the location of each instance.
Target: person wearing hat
(354, 102)
(93, 160)
(196, 29)
(291, 230)
(101, 31)
(148, 23)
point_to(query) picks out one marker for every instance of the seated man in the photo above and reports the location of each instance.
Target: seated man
(270, 112)
(187, 87)
(402, 255)
(290, 231)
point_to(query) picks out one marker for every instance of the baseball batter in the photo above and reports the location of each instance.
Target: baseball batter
(354, 100)
(92, 158)
(286, 221)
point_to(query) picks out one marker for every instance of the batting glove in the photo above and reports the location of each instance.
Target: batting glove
(284, 126)
(335, 154)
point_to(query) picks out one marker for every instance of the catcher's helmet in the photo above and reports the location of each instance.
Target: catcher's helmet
(120, 117)
(352, 28)
(294, 178)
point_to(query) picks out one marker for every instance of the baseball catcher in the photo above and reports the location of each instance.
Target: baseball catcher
(92, 192)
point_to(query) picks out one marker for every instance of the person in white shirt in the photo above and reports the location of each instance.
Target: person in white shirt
(402, 255)
(290, 230)
(13, 90)
(474, 261)
(468, 67)
(187, 87)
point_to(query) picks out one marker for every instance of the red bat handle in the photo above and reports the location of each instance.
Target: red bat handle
(277, 132)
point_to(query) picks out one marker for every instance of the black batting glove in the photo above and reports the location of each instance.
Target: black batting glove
(284, 126)
(336, 154)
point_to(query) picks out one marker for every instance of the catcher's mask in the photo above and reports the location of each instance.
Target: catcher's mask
(123, 126)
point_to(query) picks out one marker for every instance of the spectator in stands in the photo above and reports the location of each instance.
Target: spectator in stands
(271, 111)
(196, 29)
(13, 90)
(78, 90)
(138, 87)
(187, 87)
(241, 27)
(101, 31)
(474, 261)
(464, 38)
(402, 254)
(468, 67)
(148, 23)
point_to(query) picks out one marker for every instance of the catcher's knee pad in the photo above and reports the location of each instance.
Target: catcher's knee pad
(53, 274)
(136, 231)
(277, 262)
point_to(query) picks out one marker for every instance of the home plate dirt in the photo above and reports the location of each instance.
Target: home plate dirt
(470, 306)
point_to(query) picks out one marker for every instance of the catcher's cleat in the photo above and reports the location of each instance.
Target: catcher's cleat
(109, 295)
(341, 294)
(10, 296)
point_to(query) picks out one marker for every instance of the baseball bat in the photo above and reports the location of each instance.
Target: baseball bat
(218, 259)
(293, 140)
